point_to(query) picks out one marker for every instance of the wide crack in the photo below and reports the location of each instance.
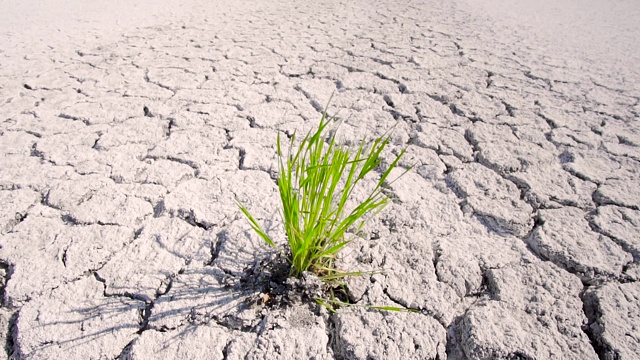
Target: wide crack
(594, 328)
(6, 270)
(11, 345)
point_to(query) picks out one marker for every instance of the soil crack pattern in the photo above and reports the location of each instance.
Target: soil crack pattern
(127, 137)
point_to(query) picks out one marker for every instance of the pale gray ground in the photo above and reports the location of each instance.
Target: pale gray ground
(126, 130)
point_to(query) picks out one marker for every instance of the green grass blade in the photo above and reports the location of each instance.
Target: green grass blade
(254, 224)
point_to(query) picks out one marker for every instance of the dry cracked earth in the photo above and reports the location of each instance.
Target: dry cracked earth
(515, 236)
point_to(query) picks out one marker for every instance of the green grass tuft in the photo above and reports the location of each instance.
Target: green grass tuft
(316, 179)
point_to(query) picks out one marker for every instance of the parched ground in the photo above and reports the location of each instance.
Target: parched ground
(126, 132)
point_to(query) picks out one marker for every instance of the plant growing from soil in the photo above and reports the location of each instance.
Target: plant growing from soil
(316, 180)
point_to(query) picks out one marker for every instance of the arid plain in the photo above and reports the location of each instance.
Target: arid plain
(126, 130)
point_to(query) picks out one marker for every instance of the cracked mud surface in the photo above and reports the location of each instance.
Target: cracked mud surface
(515, 236)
